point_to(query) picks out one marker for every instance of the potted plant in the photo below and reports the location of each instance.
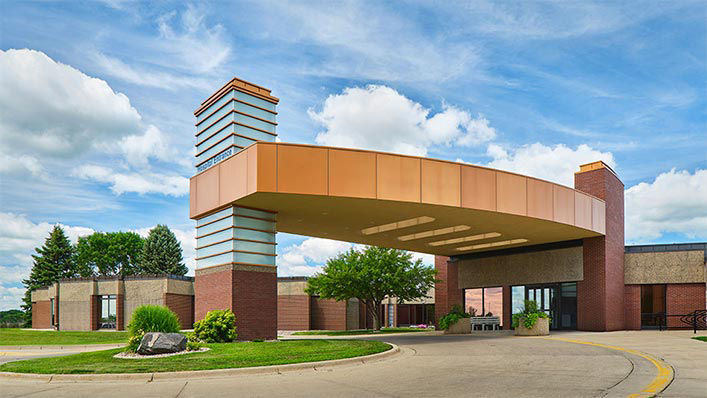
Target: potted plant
(531, 321)
(456, 321)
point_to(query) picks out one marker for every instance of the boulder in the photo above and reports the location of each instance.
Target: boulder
(162, 343)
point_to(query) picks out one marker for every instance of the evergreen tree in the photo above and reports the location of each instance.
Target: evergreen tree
(53, 261)
(162, 253)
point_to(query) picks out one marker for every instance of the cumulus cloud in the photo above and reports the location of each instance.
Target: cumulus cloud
(12, 164)
(53, 109)
(18, 238)
(138, 182)
(152, 144)
(553, 163)
(379, 118)
(310, 256)
(675, 202)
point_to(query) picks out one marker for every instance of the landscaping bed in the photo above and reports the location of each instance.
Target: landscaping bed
(49, 337)
(701, 338)
(220, 356)
(359, 331)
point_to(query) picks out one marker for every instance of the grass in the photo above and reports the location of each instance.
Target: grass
(701, 338)
(221, 356)
(47, 337)
(358, 332)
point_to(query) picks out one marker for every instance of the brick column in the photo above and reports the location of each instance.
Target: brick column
(447, 292)
(507, 307)
(120, 312)
(632, 307)
(95, 312)
(600, 295)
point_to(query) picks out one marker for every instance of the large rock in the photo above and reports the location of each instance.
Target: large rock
(162, 343)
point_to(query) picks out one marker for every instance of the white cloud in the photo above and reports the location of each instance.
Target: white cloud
(675, 201)
(148, 77)
(11, 297)
(296, 260)
(153, 143)
(200, 47)
(310, 256)
(553, 163)
(138, 182)
(49, 108)
(18, 238)
(12, 164)
(379, 118)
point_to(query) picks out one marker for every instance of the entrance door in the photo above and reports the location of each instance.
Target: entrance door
(558, 301)
(652, 306)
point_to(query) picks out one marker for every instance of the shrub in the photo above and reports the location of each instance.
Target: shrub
(219, 326)
(529, 315)
(153, 318)
(455, 314)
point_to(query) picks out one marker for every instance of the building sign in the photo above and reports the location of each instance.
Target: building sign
(216, 159)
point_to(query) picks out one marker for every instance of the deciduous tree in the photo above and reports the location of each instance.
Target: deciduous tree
(371, 275)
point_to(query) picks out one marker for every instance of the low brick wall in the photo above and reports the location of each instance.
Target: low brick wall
(293, 312)
(41, 314)
(683, 298)
(328, 314)
(183, 306)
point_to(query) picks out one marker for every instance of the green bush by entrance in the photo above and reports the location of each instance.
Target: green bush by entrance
(529, 315)
(454, 315)
(219, 326)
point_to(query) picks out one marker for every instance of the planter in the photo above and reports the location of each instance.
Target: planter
(462, 326)
(541, 328)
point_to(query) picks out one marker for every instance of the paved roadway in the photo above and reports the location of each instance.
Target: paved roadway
(489, 365)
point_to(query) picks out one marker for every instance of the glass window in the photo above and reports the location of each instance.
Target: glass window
(108, 312)
(517, 299)
(391, 315)
(51, 311)
(484, 302)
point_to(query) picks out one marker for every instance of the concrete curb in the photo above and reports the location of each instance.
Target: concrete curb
(148, 377)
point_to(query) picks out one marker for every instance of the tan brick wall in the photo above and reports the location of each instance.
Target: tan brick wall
(40, 294)
(141, 292)
(664, 267)
(183, 306)
(41, 315)
(291, 287)
(175, 286)
(293, 312)
(328, 314)
(76, 306)
(557, 265)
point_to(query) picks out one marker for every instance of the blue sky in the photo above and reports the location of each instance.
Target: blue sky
(96, 123)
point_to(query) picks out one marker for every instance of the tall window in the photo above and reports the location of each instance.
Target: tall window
(486, 301)
(108, 312)
(652, 305)
(391, 315)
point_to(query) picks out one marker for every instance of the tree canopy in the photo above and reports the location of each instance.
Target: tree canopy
(109, 253)
(162, 253)
(370, 275)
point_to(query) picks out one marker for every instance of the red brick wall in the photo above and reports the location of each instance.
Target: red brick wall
(632, 307)
(183, 306)
(293, 312)
(447, 292)
(255, 304)
(120, 312)
(95, 311)
(251, 295)
(683, 298)
(600, 295)
(41, 315)
(327, 314)
(213, 291)
(507, 307)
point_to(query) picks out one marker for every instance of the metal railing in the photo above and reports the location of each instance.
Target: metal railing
(696, 320)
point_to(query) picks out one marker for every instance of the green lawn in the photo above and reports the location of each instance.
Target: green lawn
(701, 338)
(359, 331)
(221, 356)
(46, 337)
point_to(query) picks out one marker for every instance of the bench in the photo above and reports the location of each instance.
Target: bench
(482, 321)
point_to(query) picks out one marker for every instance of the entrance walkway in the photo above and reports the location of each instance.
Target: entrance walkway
(453, 366)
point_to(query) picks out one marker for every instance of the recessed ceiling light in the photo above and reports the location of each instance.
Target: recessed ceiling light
(397, 225)
(492, 244)
(434, 232)
(463, 239)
